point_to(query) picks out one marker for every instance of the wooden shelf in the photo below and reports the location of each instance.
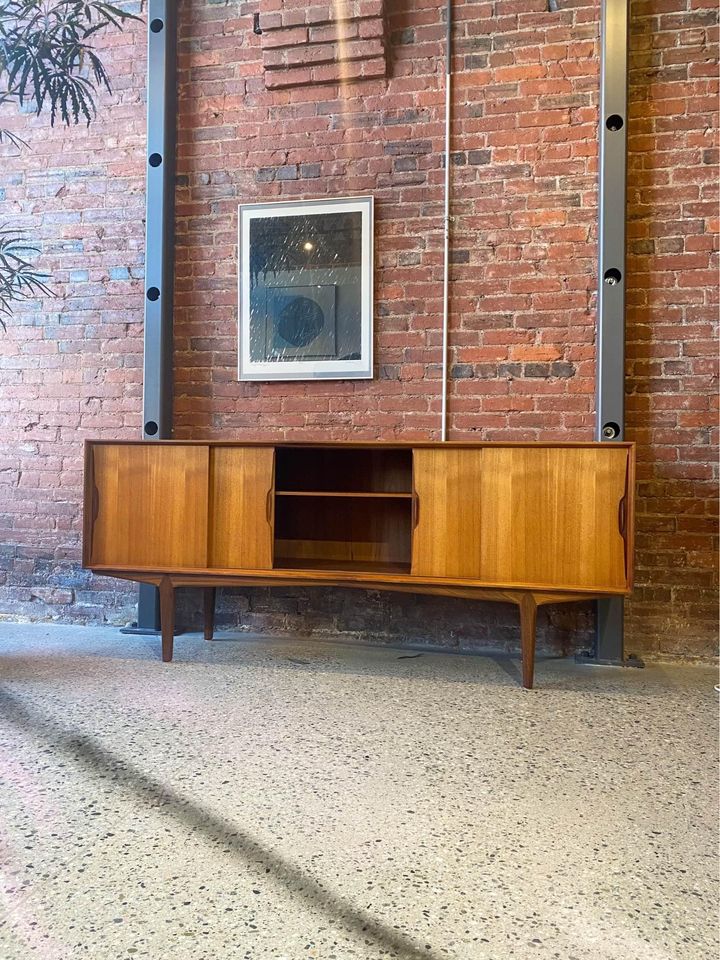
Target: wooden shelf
(336, 493)
(342, 471)
(359, 566)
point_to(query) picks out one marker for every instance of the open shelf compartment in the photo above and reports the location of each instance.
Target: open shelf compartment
(343, 470)
(343, 533)
(343, 509)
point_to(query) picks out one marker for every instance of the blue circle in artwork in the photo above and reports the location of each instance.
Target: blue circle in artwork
(300, 321)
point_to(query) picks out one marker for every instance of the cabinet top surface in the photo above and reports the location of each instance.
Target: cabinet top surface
(366, 444)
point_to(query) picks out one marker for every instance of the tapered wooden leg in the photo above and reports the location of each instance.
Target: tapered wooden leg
(528, 623)
(167, 617)
(209, 606)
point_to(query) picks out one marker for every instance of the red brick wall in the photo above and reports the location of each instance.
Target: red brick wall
(523, 285)
(672, 322)
(71, 367)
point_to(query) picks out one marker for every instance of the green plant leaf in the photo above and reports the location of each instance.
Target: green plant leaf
(19, 280)
(47, 60)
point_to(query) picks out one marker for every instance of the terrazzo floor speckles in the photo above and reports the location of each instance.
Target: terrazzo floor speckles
(290, 799)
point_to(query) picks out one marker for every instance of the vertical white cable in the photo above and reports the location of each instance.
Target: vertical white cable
(446, 256)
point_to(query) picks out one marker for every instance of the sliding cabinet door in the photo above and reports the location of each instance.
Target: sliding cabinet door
(555, 516)
(446, 538)
(149, 505)
(241, 508)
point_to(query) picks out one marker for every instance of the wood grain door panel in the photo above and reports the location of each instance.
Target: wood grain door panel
(151, 506)
(524, 516)
(241, 508)
(551, 516)
(446, 540)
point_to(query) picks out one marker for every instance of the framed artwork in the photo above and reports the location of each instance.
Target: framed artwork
(305, 290)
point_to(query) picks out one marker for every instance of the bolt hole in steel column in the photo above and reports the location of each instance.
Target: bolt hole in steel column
(611, 431)
(156, 25)
(151, 428)
(153, 294)
(614, 122)
(155, 160)
(612, 276)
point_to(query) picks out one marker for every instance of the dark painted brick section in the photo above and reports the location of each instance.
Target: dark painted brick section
(479, 156)
(476, 61)
(476, 43)
(403, 37)
(287, 172)
(537, 370)
(391, 119)
(405, 147)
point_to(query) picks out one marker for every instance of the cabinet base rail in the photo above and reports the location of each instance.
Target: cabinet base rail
(527, 602)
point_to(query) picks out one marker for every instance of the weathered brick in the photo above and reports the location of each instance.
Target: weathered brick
(479, 156)
(341, 43)
(52, 595)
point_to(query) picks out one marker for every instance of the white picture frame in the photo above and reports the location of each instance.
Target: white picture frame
(303, 262)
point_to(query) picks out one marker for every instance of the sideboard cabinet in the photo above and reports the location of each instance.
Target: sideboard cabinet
(524, 523)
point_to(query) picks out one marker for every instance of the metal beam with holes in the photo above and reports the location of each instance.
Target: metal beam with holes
(610, 388)
(159, 246)
(612, 212)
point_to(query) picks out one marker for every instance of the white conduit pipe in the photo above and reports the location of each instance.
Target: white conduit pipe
(446, 255)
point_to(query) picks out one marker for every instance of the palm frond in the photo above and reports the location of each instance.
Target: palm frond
(19, 279)
(47, 60)
(7, 136)
(47, 57)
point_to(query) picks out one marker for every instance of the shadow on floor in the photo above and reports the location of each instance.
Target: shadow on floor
(291, 654)
(509, 667)
(88, 752)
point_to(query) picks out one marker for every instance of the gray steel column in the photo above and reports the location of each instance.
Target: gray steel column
(610, 396)
(159, 246)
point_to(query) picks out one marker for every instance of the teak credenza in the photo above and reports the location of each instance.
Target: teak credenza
(523, 523)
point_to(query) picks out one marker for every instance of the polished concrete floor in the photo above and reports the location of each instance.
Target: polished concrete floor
(286, 799)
